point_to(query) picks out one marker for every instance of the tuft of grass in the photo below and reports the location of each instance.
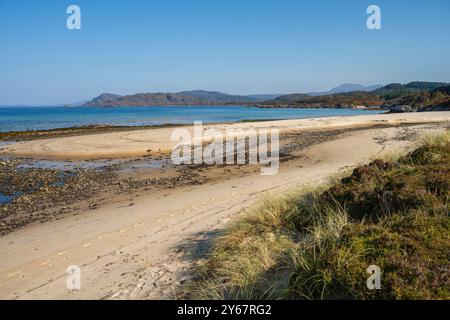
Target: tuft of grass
(436, 140)
(318, 243)
(390, 156)
(250, 246)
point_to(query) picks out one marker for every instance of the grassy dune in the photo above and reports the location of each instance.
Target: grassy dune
(317, 244)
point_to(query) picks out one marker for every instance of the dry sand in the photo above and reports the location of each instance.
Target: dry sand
(158, 140)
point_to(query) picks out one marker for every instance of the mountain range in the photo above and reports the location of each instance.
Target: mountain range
(202, 97)
(418, 94)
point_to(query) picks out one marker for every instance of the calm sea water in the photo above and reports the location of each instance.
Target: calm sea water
(34, 118)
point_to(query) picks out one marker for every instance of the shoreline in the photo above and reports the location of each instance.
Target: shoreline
(139, 142)
(28, 135)
(38, 188)
(86, 128)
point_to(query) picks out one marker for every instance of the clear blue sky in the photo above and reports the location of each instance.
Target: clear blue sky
(246, 46)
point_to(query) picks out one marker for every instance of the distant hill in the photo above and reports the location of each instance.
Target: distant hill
(102, 99)
(444, 90)
(347, 87)
(291, 98)
(339, 100)
(203, 97)
(264, 97)
(196, 97)
(217, 97)
(396, 90)
(419, 95)
(345, 95)
(144, 99)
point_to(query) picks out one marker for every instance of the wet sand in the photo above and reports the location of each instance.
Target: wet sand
(158, 141)
(39, 190)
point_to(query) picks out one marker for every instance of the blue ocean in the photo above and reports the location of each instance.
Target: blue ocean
(41, 118)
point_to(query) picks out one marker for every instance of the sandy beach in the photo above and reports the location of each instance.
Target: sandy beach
(211, 151)
(136, 240)
(158, 141)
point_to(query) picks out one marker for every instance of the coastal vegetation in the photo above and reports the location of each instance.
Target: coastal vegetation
(418, 96)
(422, 101)
(318, 243)
(395, 90)
(338, 100)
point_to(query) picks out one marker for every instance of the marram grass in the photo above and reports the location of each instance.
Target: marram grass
(318, 243)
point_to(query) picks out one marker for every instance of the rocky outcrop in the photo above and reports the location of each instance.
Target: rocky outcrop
(402, 109)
